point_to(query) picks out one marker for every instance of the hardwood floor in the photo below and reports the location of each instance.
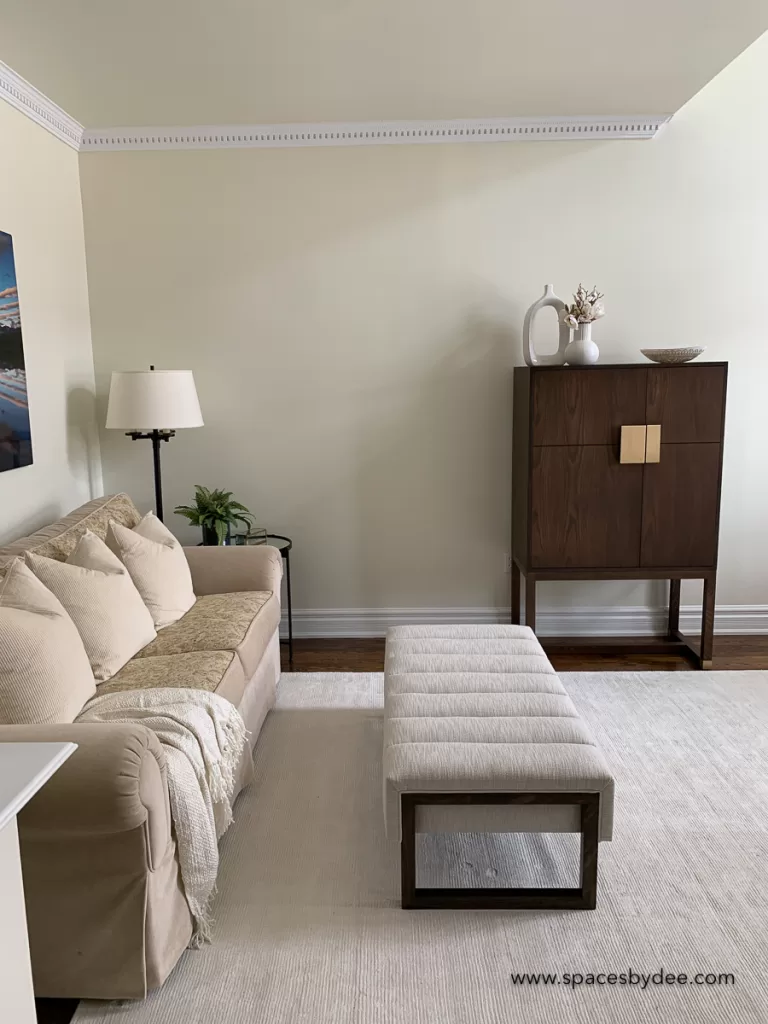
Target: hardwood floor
(367, 655)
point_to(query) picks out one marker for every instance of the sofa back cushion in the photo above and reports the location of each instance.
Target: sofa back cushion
(157, 565)
(60, 539)
(45, 675)
(102, 601)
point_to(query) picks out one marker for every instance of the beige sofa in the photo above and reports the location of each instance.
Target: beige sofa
(106, 909)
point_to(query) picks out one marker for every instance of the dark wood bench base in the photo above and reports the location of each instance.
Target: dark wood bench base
(582, 898)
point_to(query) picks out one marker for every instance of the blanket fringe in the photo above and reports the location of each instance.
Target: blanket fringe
(201, 936)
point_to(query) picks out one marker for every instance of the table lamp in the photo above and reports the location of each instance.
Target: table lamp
(153, 404)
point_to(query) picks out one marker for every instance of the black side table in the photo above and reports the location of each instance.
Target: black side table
(284, 545)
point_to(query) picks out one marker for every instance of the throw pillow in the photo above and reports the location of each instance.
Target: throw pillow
(96, 590)
(45, 675)
(158, 567)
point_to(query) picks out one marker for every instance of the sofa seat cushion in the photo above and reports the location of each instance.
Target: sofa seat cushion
(217, 671)
(241, 622)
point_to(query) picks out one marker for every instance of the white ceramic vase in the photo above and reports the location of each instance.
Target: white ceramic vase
(582, 351)
(530, 354)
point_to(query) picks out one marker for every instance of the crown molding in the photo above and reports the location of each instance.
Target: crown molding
(373, 133)
(30, 101)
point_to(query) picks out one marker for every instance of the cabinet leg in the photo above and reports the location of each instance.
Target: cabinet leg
(530, 602)
(707, 622)
(515, 594)
(674, 606)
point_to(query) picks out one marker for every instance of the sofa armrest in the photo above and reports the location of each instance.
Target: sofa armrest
(114, 782)
(236, 568)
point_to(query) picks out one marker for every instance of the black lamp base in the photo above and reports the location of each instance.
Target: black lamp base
(155, 436)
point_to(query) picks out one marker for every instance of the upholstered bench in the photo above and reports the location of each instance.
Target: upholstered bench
(480, 736)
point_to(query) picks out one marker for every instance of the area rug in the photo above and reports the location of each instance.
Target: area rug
(308, 926)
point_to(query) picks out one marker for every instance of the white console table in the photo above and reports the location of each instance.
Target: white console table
(24, 769)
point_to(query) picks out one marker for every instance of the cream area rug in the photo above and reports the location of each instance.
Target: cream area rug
(308, 927)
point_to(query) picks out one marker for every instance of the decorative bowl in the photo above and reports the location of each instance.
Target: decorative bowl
(671, 355)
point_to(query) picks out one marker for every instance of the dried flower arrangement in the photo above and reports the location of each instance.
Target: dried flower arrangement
(585, 308)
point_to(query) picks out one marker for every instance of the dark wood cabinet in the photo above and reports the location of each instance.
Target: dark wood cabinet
(680, 504)
(583, 510)
(577, 483)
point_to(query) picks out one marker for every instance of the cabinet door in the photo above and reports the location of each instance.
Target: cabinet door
(688, 402)
(585, 508)
(681, 492)
(587, 406)
(680, 506)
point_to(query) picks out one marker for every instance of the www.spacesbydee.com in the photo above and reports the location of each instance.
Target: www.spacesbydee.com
(631, 979)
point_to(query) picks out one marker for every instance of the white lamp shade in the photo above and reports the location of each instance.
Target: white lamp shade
(153, 400)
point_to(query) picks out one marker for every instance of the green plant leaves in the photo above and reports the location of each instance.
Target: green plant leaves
(214, 509)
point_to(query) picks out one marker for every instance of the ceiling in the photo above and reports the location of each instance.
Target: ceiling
(185, 62)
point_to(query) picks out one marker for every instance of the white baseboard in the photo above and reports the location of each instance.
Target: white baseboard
(613, 621)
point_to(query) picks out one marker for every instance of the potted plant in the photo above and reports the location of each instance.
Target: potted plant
(216, 513)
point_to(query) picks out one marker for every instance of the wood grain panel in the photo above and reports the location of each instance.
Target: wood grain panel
(687, 401)
(680, 500)
(586, 406)
(521, 452)
(585, 508)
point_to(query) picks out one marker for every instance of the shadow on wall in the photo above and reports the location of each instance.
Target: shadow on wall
(30, 524)
(434, 463)
(83, 437)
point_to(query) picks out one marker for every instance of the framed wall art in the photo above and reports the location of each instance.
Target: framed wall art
(15, 433)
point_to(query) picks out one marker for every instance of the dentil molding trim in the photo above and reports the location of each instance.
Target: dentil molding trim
(30, 101)
(613, 621)
(373, 133)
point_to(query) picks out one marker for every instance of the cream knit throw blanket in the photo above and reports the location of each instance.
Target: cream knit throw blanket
(202, 736)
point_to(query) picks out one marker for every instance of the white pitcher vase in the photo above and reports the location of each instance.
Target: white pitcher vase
(582, 351)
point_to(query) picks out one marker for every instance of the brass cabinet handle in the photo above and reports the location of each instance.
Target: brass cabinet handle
(640, 443)
(632, 447)
(653, 442)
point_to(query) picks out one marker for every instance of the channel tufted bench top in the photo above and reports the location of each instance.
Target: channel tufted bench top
(480, 736)
(479, 709)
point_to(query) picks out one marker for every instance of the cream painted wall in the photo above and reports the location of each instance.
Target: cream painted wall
(40, 206)
(352, 317)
